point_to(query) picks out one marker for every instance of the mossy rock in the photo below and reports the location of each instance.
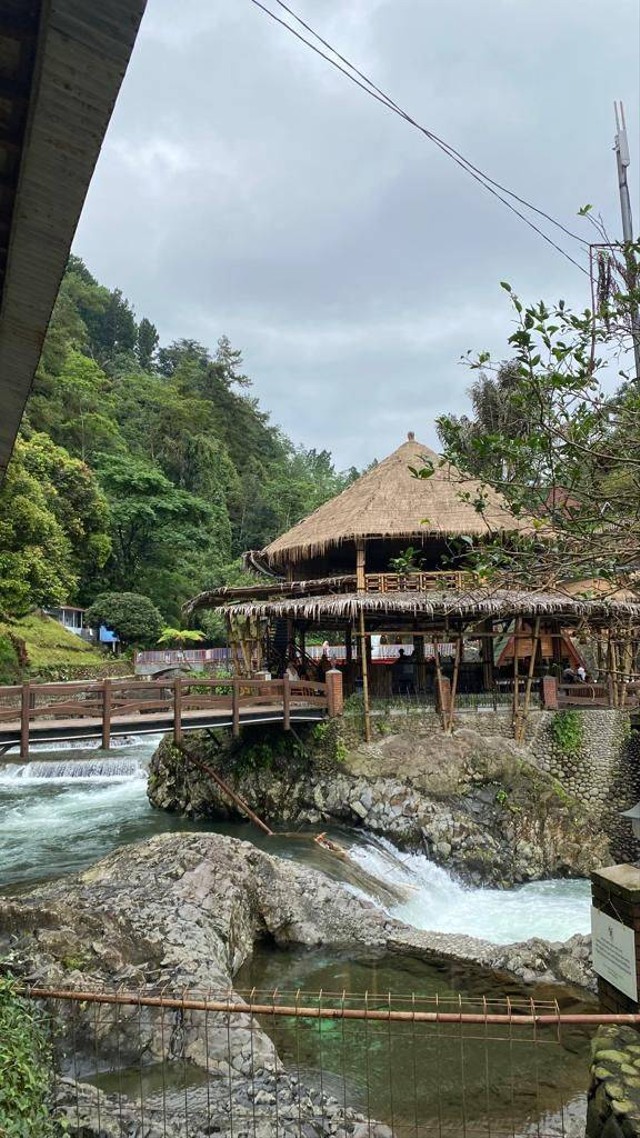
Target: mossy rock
(622, 1105)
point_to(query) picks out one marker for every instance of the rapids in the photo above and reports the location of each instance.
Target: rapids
(72, 805)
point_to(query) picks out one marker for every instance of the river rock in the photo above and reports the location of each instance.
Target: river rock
(182, 912)
(478, 804)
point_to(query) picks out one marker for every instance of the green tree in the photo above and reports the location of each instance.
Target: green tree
(574, 466)
(132, 616)
(148, 341)
(41, 550)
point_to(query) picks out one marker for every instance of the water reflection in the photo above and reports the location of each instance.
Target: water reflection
(424, 1078)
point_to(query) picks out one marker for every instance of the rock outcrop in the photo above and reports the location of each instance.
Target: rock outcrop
(182, 912)
(476, 804)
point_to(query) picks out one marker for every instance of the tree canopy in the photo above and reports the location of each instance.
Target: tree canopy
(132, 616)
(142, 466)
(559, 436)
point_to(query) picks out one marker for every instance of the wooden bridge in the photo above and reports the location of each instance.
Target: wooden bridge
(45, 713)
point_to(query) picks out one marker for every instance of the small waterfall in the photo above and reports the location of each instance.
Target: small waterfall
(553, 909)
(62, 770)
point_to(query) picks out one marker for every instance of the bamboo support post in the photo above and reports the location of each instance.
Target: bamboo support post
(106, 714)
(438, 665)
(454, 684)
(516, 693)
(286, 703)
(177, 710)
(521, 726)
(365, 676)
(360, 566)
(25, 707)
(611, 669)
(235, 798)
(235, 707)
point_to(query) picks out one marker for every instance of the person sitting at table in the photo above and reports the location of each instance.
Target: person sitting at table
(568, 675)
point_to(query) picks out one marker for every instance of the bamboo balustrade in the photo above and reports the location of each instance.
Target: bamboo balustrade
(102, 709)
(417, 582)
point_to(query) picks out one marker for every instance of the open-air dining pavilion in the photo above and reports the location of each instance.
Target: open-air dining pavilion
(388, 560)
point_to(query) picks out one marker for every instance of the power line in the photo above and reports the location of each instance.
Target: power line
(451, 150)
(366, 85)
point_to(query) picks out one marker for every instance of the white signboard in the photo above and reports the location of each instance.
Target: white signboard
(614, 953)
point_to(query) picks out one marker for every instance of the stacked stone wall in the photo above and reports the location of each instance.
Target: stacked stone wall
(602, 773)
(614, 1093)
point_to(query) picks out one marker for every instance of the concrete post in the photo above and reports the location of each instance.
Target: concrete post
(335, 694)
(549, 693)
(615, 893)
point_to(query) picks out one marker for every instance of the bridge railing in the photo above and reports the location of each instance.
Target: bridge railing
(108, 704)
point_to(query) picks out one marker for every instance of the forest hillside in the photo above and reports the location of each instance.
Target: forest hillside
(142, 467)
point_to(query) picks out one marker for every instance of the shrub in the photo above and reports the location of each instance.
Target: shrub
(566, 730)
(27, 1069)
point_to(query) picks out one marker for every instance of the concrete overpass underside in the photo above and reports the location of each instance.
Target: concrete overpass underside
(61, 66)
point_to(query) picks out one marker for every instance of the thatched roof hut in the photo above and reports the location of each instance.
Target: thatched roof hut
(388, 508)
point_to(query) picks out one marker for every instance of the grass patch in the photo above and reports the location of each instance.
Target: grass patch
(567, 732)
(48, 644)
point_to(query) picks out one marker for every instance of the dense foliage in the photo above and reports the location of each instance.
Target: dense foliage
(26, 1066)
(141, 467)
(132, 616)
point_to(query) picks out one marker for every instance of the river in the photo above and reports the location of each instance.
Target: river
(69, 807)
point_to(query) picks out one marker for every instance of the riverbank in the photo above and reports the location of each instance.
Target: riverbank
(185, 912)
(475, 802)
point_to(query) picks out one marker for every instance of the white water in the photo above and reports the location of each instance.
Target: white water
(57, 815)
(71, 807)
(554, 910)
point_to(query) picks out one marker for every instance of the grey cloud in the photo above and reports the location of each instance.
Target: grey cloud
(247, 188)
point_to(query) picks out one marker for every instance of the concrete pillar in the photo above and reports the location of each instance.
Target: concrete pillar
(335, 695)
(549, 693)
(615, 894)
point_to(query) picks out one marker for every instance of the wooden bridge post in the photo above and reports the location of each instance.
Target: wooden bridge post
(24, 721)
(106, 714)
(235, 707)
(177, 709)
(286, 703)
(335, 693)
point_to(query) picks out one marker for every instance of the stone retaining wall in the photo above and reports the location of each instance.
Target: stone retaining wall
(614, 1093)
(602, 773)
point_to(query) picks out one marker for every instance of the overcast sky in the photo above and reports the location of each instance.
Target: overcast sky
(246, 188)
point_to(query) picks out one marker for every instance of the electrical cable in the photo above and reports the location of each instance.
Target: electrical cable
(366, 85)
(451, 150)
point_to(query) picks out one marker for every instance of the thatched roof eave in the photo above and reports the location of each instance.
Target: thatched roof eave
(458, 605)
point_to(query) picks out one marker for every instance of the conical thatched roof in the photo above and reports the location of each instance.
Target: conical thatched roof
(388, 502)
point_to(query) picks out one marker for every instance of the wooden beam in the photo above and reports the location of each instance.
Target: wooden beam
(522, 719)
(106, 714)
(25, 708)
(454, 684)
(365, 677)
(360, 565)
(516, 694)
